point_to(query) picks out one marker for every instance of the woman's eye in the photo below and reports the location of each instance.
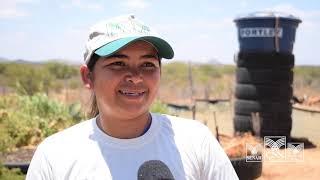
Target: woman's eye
(148, 64)
(119, 63)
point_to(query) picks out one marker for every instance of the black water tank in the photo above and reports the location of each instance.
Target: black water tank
(264, 73)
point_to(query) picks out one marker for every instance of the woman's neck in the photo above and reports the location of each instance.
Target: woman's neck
(124, 128)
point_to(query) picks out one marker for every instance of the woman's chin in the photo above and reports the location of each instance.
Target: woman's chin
(134, 110)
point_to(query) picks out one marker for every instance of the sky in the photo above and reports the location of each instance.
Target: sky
(199, 31)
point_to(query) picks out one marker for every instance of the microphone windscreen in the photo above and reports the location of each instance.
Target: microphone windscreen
(154, 170)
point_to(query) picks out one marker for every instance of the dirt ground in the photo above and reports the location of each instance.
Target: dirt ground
(309, 168)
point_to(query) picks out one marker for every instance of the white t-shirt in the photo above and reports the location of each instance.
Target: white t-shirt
(84, 152)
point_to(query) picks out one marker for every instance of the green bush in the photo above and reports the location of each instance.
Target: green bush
(207, 79)
(159, 107)
(5, 139)
(26, 120)
(307, 76)
(14, 174)
(61, 71)
(175, 73)
(27, 79)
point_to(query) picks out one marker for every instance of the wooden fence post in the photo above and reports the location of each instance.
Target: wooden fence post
(216, 124)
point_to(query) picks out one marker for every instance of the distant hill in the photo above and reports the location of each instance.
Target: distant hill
(23, 61)
(17, 61)
(213, 61)
(2, 59)
(63, 61)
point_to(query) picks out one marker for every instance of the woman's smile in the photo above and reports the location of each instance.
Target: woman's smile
(132, 94)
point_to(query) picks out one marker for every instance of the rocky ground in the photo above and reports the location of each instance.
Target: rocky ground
(20, 155)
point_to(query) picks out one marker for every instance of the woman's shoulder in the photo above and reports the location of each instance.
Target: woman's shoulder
(180, 121)
(183, 126)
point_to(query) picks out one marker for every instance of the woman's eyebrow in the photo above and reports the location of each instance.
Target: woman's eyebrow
(148, 56)
(123, 56)
(118, 56)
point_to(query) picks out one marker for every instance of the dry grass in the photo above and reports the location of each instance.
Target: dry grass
(69, 96)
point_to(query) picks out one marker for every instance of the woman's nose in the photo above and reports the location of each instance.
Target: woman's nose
(134, 76)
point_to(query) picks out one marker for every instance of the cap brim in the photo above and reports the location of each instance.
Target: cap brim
(164, 49)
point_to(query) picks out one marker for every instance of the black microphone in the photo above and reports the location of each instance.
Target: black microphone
(154, 170)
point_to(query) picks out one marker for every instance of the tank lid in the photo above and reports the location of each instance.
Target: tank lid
(267, 15)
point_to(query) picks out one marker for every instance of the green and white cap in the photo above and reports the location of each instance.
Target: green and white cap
(107, 37)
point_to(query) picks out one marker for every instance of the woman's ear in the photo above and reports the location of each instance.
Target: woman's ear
(86, 76)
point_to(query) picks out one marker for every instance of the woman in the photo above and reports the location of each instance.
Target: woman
(124, 140)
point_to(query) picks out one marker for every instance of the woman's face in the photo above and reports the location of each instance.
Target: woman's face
(126, 83)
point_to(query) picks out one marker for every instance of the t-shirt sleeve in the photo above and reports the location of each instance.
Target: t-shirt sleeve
(215, 163)
(39, 168)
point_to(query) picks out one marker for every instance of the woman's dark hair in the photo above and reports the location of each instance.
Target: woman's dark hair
(94, 58)
(94, 111)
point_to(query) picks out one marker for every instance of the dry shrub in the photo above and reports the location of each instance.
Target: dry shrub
(235, 147)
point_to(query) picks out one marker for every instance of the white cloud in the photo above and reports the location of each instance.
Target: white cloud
(83, 4)
(10, 8)
(136, 4)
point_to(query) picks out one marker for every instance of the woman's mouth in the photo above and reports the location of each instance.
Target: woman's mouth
(131, 93)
